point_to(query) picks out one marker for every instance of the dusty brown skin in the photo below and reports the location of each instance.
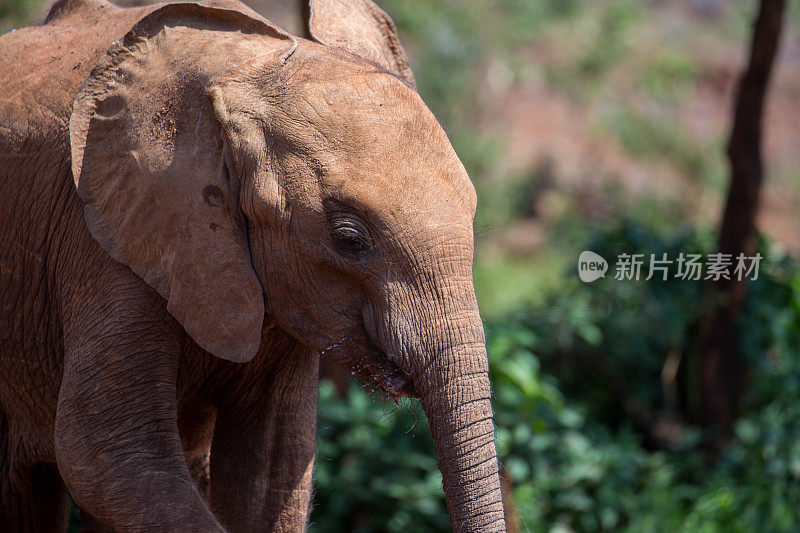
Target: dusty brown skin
(187, 222)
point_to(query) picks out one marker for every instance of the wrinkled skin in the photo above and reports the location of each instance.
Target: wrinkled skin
(188, 222)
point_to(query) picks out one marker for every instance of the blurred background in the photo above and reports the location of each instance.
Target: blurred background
(596, 125)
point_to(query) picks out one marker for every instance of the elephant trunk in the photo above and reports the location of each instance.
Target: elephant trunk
(456, 398)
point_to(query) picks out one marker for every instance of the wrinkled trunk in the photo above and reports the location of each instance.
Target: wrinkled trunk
(456, 399)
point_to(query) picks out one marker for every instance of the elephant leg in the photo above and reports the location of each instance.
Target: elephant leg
(200, 468)
(32, 498)
(196, 426)
(116, 433)
(262, 454)
(36, 501)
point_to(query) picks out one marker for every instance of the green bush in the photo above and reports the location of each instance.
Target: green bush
(376, 469)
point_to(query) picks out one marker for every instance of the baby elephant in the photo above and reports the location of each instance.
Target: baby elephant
(195, 206)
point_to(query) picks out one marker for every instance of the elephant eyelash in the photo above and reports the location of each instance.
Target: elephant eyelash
(350, 236)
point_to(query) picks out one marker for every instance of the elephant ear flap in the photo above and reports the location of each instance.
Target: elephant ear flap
(361, 28)
(150, 160)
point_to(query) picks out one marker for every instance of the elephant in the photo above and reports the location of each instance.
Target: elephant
(196, 206)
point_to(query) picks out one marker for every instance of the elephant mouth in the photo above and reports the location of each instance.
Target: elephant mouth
(373, 367)
(385, 374)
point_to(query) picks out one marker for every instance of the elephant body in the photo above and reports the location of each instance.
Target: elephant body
(55, 286)
(111, 390)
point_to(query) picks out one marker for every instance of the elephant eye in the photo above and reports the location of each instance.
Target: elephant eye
(350, 237)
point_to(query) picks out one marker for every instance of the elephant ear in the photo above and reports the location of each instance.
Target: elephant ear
(361, 28)
(149, 144)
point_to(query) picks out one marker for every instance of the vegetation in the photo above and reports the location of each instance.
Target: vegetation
(15, 12)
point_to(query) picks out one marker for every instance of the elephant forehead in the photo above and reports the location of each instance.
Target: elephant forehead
(361, 111)
(407, 198)
(378, 145)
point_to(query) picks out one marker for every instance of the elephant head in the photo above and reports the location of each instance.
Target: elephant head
(252, 177)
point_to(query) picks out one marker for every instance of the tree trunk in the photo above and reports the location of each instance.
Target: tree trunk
(720, 367)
